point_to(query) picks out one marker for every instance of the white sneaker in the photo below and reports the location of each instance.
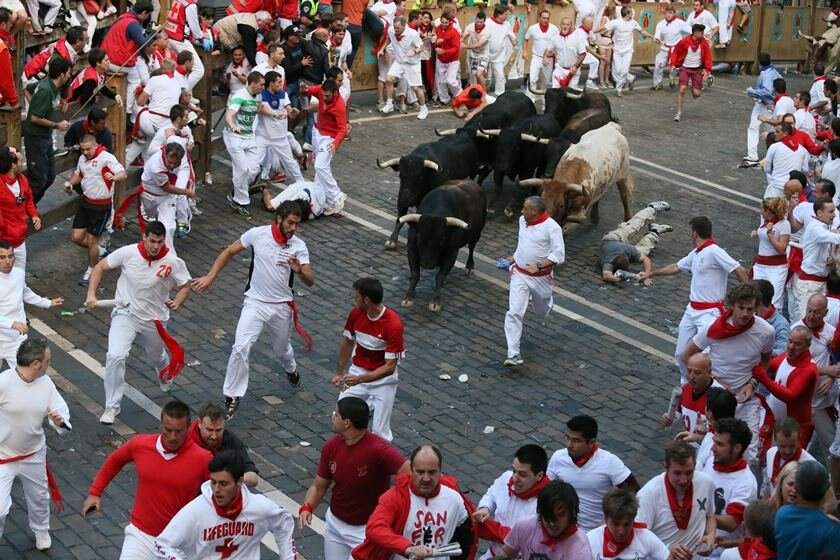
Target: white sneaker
(591, 85)
(165, 385)
(307, 147)
(513, 361)
(388, 107)
(424, 112)
(660, 228)
(43, 541)
(111, 10)
(660, 205)
(109, 415)
(339, 206)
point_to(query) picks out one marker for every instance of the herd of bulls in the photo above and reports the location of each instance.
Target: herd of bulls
(570, 154)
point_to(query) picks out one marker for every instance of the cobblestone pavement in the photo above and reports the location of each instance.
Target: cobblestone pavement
(605, 351)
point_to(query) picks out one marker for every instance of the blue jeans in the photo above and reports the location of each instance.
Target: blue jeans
(293, 91)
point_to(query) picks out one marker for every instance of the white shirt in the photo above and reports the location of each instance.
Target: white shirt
(271, 276)
(671, 32)
(645, 545)
(706, 18)
(266, 67)
(710, 269)
(168, 134)
(505, 508)
(144, 286)
(821, 356)
(13, 293)
(164, 92)
(734, 357)
(768, 468)
(407, 48)
(833, 316)
(542, 41)
(704, 452)
(91, 170)
(831, 171)
(600, 474)
(304, 190)
(780, 229)
(197, 531)
(803, 213)
(386, 11)
(818, 248)
(567, 49)
(779, 161)
(737, 489)
(783, 106)
(805, 121)
(271, 128)
(622, 31)
(23, 408)
(538, 242)
(583, 8)
(233, 82)
(817, 91)
(655, 511)
(155, 174)
(433, 521)
(474, 38)
(501, 35)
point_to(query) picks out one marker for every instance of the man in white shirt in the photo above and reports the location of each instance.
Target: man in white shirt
(13, 294)
(783, 156)
(804, 119)
(27, 398)
(788, 448)
(159, 94)
(183, 28)
(703, 16)
(622, 30)
(278, 255)
(678, 505)
(818, 243)
(710, 267)
(591, 59)
(539, 37)
(149, 271)
(783, 104)
(737, 341)
(668, 33)
(166, 175)
(513, 496)
(819, 102)
(273, 130)
(569, 51)
(310, 195)
(831, 168)
(621, 537)
(276, 54)
(500, 43)
(405, 45)
(539, 249)
(592, 470)
(476, 40)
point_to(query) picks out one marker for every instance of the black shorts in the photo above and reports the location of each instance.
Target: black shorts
(92, 218)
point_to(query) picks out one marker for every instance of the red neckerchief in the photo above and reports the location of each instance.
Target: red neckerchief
(612, 548)
(278, 235)
(583, 459)
(698, 12)
(758, 551)
(738, 465)
(497, 21)
(538, 220)
(817, 329)
(149, 258)
(777, 96)
(8, 180)
(706, 243)
(777, 463)
(532, 492)
(171, 74)
(585, 30)
(722, 328)
(181, 70)
(819, 79)
(835, 296)
(543, 28)
(790, 142)
(672, 18)
(233, 509)
(479, 27)
(399, 37)
(99, 149)
(695, 43)
(769, 313)
(434, 493)
(567, 34)
(803, 360)
(552, 542)
(680, 511)
(772, 220)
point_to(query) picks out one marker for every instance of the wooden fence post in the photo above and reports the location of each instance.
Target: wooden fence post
(203, 91)
(117, 119)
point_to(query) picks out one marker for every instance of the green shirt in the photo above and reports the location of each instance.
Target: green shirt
(245, 106)
(44, 103)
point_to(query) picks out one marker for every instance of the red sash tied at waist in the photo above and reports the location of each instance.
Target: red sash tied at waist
(704, 305)
(546, 271)
(810, 277)
(52, 483)
(771, 260)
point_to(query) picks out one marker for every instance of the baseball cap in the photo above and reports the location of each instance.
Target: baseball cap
(292, 30)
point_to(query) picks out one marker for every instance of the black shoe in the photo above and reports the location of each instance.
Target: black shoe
(231, 404)
(294, 378)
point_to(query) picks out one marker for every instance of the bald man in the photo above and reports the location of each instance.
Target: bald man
(691, 403)
(591, 59)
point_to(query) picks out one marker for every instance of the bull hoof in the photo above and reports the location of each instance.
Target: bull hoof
(434, 307)
(407, 302)
(509, 212)
(390, 245)
(469, 271)
(491, 211)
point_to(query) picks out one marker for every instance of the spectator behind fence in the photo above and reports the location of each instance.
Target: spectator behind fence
(126, 36)
(94, 124)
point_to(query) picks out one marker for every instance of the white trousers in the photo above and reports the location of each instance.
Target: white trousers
(138, 545)
(163, 209)
(183, 210)
(246, 155)
(254, 317)
(754, 130)
(49, 17)
(198, 67)
(560, 73)
(725, 10)
(522, 288)
(661, 64)
(125, 327)
(692, 322)
(341, 538)
(776, 275)
(278, 153)
(149, 124)
(825, 432)
(752, 413)
(539, 77)
(380, 400)
(621, 68)
(10, 341)
(323, 167)
(20, 256)
(32, 473)
(448, 80)
(499, 80)
(834, 448)
(803, 289)
(593, 63)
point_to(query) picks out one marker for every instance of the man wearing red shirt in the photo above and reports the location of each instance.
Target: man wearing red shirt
(373, 335)
(360, 464)
(448, 52)
(693, 56)
(8, 93)
(327, 134)
(17, 205)
(170, 471)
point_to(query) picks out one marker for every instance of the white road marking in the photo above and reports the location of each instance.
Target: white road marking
(154, 410)
(693, 189)
(397, 116)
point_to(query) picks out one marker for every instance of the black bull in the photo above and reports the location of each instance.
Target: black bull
(448, 218)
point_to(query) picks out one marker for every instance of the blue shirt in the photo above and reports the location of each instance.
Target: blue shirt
(273, 99)
(763, 89)
(805, 533)
(781, 328)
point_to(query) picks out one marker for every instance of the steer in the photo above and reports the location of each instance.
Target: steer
(564, 103)
(449, 217)
(587, 169)
(429, 165)
(578, 125)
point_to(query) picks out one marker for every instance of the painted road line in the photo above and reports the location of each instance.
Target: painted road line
(697, 190)
(397, 116)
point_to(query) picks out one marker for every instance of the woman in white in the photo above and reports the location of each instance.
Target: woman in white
(622, 30)
(773, 237)
(604, 47)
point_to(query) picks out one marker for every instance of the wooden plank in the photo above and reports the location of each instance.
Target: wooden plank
(117, 123)
(203, 91)
(10, 120)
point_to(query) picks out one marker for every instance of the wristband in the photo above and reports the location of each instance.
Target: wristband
(305, 507)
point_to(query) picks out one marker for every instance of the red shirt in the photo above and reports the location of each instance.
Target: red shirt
(450, 41)
(8, 93)
(354, 10)
(14, 211)
(377, 340)
(464, 98)
(797, 392)
(804, 139)
(361, 472)
(680, 50)
(332, 117)
(163, 487)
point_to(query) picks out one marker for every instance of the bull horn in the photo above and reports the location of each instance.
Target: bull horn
(574, 188)
(387, 163)
(573, 93)
(532, 182)
(529, 137)
(481, 134)
(545, 140)
(491, 131)
(410, 219)
(536, 91)
(444, 132)
(431, 165)
(455, 222)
